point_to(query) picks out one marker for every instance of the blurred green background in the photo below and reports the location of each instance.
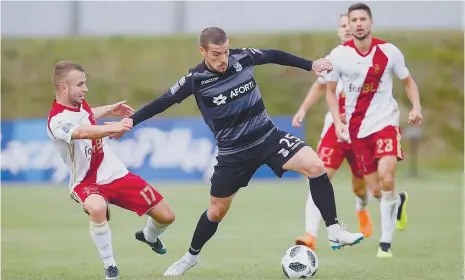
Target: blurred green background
(139, 69)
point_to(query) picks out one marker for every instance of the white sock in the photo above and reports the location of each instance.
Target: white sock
(389, 204)
(361, 204)
(190, 257)
(101, 234)
(312, 216)
(153, 230)
(333, 229)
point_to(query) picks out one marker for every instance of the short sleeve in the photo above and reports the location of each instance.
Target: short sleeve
(62, 129)
(399, 67)
(335, 59)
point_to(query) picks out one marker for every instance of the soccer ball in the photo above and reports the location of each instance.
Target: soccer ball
(299, 262)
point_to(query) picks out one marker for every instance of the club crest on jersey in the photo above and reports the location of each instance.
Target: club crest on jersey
(219, 100)
(90, 190)
(237, 66)
(377, 68)
(67, 127)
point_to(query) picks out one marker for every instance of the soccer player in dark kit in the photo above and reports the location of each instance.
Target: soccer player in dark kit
(231, 104)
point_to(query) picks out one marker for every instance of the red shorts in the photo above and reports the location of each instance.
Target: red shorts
(370, 149)
(130, 192)
(332, 152)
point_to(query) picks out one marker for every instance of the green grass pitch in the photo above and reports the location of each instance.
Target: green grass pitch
(45, 234)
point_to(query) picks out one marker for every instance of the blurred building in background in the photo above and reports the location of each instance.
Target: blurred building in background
(101, 18)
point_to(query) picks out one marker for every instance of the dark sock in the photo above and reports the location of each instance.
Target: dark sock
(385, 246)
(401, 206)
(323, 196)
(203, 232)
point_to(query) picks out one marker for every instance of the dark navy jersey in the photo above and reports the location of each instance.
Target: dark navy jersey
(231, 103)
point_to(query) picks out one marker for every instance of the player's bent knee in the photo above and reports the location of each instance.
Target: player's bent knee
(217, 211)
(97, 210)
(312, 165)
(360, 192)
(165, 217)
(312, 169)
(306, 162)
(219, 207)
(162, 213)
(358, 187)
(315, 169)
(97, 207)
(387, 181)
(168, 217)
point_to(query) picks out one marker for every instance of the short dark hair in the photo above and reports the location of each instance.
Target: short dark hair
(360, 6)
(214, 35)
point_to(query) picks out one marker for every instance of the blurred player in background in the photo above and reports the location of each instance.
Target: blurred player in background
(97, 176)
(231, 104)
(332, 152)
(365, 66)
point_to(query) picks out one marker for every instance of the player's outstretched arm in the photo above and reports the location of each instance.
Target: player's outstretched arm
(118, 109)
(67, 130)
(100, 131)
(176, 94)
(314, 93)
(262, 56)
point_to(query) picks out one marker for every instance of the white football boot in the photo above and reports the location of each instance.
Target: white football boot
(183, 265)
(338, 237)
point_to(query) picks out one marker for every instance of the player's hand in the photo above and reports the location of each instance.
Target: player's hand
(415, 117)
(121, 109)
(298, 118)
(128, 122)
(120, 127)
(321, 66)
(342, 132)
(116, 136)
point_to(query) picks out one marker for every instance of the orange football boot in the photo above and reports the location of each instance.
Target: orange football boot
(307, 240)
(366, 225)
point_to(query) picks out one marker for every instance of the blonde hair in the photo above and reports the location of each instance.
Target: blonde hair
(62, 69)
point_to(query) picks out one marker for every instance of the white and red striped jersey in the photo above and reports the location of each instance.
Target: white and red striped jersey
(89, 161)
(367, 84)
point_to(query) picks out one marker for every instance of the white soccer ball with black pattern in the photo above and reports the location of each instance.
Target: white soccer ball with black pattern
(299, 262)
